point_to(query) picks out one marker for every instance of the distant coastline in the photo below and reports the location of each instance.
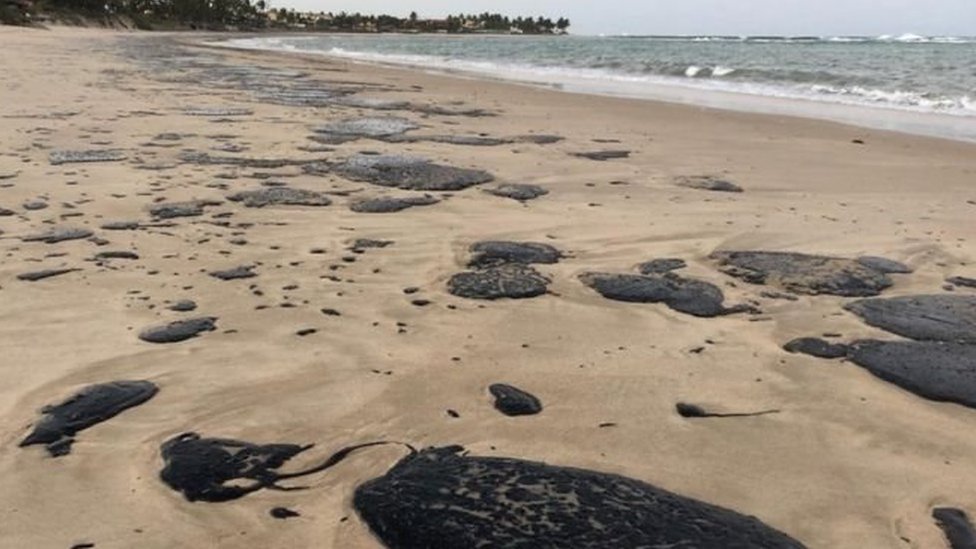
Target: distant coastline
(245, 15)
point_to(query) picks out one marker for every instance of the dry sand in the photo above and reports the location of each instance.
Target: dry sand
(850, 462)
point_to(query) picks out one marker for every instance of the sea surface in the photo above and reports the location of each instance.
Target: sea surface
(906, 82)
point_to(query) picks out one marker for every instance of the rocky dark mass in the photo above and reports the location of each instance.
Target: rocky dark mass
(170, 210)
(181, 330)
(201, 468)
(491, 253)
(90, 406)
(940, 371)
(804, 274)
(183, 306)
(280, 196)
(884, 265)
(685, 295)
(513, 281)
(425, 502)
(956, 526)
(69, 157)
(244, 271)
(34, 276)
(923, 317)
(34, 205)
(513, 401)
(362, 244)
(410, 173)
(661, 266)
(816, 347)
(602, 156)
(963, 281)
(59, 234)
(4, 212)
(391, 204)
(518, 191)
(220, 469)
(708, 183)
(376, 127)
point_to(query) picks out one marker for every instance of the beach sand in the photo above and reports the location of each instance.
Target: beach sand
(850, 461)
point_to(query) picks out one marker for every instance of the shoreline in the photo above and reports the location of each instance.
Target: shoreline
(955, 127)
(324, 324)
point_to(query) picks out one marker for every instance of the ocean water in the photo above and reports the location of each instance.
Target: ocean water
(907, 74)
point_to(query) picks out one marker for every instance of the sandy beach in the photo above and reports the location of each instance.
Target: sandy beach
(322, 340)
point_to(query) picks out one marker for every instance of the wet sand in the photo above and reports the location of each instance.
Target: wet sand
(303, 335)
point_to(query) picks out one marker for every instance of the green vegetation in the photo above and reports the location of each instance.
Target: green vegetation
(144, 14)
(454, 24)
(255, 15)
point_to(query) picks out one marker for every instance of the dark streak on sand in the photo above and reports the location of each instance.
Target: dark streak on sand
(90, 406)
(958, 529)
(602, 156)
(202, 469)
(41, 275)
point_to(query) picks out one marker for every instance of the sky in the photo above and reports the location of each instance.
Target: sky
(735, 17)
